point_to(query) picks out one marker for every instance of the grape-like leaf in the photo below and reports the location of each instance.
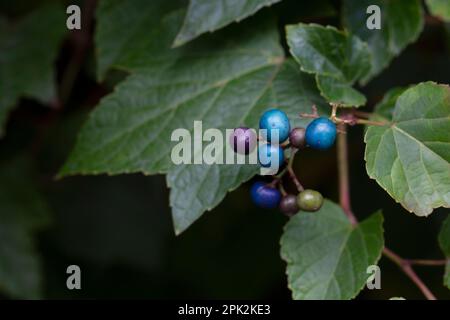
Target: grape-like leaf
(337, 59)
(28, 51)
(401, 24)
(327, 257)
(410, 157)
(439, 8)
(127, 41)
(444, 242)
(339, 92)
(22, 211)
(209, 15)
(226, 81)
(384, 110)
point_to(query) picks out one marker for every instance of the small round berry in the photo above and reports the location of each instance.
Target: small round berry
(288, 205)
(275, 120)
(243, 140)
(265, 196)
(270, 155)
(309, 200)
(320, 133)
(297, 138)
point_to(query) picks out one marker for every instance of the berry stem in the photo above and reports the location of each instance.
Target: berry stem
(361, 114)
(371, 123)
(291, 172)
(276, 179)
(350, 118)
(281, 188)
(344, 184)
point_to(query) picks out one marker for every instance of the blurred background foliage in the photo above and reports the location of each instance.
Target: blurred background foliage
(118, 229)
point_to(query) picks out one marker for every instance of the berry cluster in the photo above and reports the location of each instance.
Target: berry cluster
(319, 134)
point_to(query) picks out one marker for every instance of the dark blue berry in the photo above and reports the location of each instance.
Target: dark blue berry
(269, 153)
(265, 196)
(320, 133)
(272, 120)
(243, 140)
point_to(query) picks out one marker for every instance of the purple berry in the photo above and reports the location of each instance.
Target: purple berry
(243, 140)
(288, 205)
(297, 138)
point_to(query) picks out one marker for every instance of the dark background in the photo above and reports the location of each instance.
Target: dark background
(119, 230)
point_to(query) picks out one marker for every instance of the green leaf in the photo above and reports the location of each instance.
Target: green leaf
(22, 212)
(339, 92)
(327, 257)
(401, 24)
(444, 242)
(337, 59)
(410, 158)
(384, 109)
(20, 202)
(121, 46)
(209, 15)
(225, 81)
(439, 8)
(20, 267)
(27, 53)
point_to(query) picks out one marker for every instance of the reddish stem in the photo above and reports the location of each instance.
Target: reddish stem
(424, 262)
(405, 265)
(344, 184)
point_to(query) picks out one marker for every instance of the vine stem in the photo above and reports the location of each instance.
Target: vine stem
(344, 184)
(405, 266)
(423, 262)
(344, 200)
(351, 118)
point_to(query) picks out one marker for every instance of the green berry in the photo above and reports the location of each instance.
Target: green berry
(309, 200)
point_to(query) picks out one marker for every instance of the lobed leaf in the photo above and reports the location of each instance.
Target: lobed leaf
(210, 15)
(439, 8)
(410, 157)
(401, 24)
(27, 53)
(384, 109)
(225, 81)
(22, 212)
(327, 258)
(127, 41)
(337, 59)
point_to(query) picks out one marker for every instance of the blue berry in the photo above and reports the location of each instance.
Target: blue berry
(243, 140)
(265, 196)
(268, 153)
(320, 133)
(275, 119)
